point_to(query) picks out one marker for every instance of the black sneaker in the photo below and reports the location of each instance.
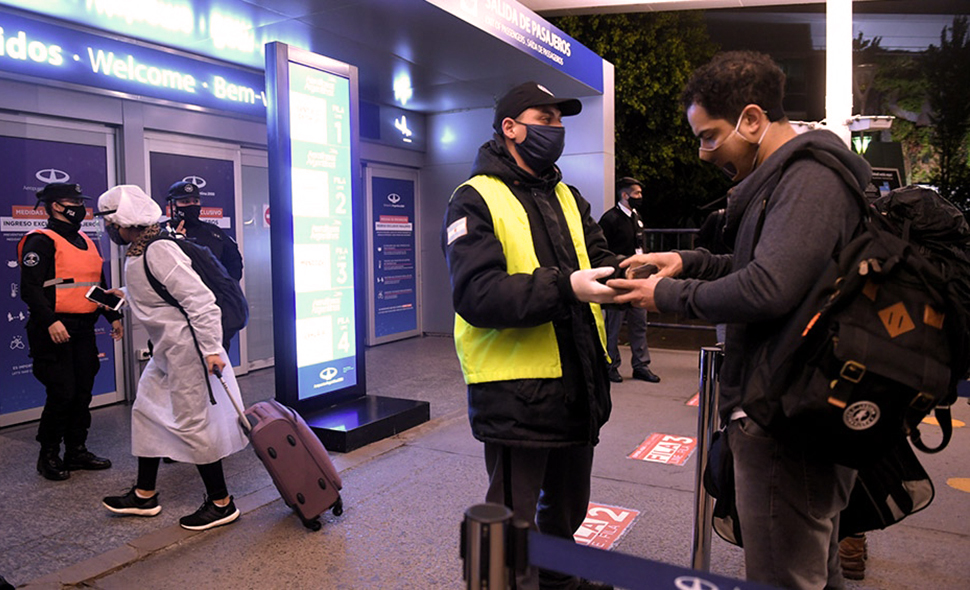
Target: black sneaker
(131, 504)
(209, 516)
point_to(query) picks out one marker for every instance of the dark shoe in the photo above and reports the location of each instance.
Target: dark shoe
(853, 552)
(5, 585)
(131, 504)
(645, 374)
(209, 516)
(615, 376)
(49, 464)
(168, 460)
(79, 458)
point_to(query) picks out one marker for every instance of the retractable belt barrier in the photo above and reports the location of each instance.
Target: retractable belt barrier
(710, 366)
(493, 549)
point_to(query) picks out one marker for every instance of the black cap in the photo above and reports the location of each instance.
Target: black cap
(627, 181)
(530, 95)
(182, 189)
(60, 190)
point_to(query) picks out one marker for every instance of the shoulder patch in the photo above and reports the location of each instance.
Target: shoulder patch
(31, 259)
(457, 229)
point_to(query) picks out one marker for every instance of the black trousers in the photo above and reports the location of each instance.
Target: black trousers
(67, 372)
(548, 488)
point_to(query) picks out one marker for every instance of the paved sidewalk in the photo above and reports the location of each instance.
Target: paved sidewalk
(404, 498)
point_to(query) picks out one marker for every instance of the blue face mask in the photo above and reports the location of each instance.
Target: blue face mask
(542, 146)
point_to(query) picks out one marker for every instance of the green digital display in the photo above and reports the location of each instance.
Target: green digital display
(323, 230)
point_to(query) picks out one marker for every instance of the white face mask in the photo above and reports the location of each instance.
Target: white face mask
(729, 168)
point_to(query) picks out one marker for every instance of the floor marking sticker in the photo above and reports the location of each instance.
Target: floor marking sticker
(959, 483)
(665, 448)
(604, 525)
(933, 421)
(694, 401)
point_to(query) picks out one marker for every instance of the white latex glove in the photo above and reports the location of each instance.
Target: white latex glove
(588, 289)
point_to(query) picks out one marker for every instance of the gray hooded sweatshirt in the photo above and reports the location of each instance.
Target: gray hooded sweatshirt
(809, 216)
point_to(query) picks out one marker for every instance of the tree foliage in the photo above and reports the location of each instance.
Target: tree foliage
(947, 71)
(653, 55)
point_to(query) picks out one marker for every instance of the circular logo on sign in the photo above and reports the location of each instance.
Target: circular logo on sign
(52, 175)
(196, 180)
(861, 415)
(31, 259)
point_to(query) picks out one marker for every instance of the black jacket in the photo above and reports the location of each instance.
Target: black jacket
(624, 233)
(529, 412)
(223, 247)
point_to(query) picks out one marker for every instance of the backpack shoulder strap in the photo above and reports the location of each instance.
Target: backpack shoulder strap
(164, 294)
(155, 283)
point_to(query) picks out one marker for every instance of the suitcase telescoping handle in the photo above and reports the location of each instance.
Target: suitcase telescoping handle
(243, 419)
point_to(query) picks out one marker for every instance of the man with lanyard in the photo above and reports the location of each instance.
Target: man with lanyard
(525, 256)
(623, 229)
(58, 264)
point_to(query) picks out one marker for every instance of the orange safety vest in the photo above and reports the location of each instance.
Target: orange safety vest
(75, 271)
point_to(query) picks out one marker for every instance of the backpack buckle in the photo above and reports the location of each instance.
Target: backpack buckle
(923, 402)
(852, 371)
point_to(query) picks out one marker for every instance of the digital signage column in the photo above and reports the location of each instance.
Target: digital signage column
(314, 204)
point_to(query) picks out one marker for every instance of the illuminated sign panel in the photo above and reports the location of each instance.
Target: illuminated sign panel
(312, 199)
(224, 29)
(43, 50)
(525, 30)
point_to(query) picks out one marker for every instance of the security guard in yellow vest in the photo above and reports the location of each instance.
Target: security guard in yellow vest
(58, 264)
(525, 256)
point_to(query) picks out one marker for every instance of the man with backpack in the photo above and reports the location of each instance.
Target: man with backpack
(787, 218)
(178, 412)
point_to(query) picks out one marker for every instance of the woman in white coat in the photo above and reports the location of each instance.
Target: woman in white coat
(177, 412)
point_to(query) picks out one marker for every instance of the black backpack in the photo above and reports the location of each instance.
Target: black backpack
(229, 296)
(881, 341)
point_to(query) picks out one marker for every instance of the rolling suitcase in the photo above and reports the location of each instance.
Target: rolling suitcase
(295, 458)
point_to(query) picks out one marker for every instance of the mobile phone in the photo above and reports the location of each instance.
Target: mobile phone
(99, 295)
(643, 271)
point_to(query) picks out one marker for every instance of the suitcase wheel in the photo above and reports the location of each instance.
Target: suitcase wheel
(313, 525)
(338, 507)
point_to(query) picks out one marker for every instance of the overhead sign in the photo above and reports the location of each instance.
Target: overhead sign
(525, 30)
(224, 29)
(35, 48)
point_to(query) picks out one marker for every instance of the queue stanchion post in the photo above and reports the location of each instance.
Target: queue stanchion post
(710, 365)
(485, 547)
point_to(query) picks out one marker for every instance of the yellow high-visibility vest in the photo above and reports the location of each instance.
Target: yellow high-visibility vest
(488, 354)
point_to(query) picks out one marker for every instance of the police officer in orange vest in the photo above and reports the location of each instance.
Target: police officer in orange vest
(58, 264)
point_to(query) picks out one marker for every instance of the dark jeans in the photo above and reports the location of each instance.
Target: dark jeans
(789, 506)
